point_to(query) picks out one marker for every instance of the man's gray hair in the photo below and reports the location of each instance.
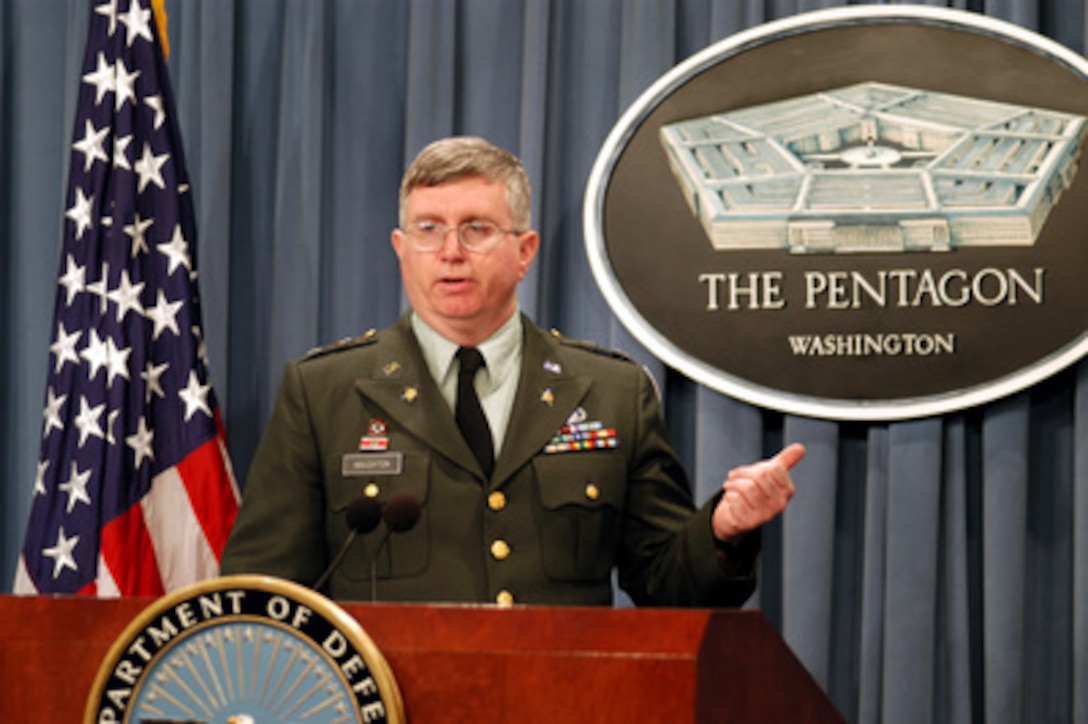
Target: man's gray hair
(461, 157)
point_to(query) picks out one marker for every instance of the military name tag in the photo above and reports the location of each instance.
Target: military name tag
(362, 464)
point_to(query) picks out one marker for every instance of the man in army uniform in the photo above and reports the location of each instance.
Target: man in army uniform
(567, 474)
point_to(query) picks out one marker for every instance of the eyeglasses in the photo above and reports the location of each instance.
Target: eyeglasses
(478, 236)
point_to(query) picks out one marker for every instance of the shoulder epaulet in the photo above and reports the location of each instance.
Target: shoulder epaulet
(368, 337)
(590, 346)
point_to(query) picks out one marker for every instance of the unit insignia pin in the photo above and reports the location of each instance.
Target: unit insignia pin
(375, 438)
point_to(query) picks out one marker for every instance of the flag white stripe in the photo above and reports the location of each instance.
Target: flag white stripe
(181, 550)
(105, 585)
(24, 586)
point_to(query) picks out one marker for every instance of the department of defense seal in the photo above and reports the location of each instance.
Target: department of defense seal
(242, 649)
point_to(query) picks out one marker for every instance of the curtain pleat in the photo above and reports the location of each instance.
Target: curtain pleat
(1078, 602)
(1004, 536)
(911, 555)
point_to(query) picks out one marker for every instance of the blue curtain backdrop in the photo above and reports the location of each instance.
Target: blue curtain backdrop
(934, 570)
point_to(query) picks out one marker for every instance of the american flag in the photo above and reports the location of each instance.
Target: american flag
(134, 493)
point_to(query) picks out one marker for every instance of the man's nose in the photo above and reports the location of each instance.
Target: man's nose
(454, 248)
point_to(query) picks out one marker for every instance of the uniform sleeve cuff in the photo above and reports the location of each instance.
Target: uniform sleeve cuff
(710, 560)
(737, 559)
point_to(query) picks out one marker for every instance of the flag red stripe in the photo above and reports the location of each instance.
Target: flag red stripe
(128, 552)
(215, 504)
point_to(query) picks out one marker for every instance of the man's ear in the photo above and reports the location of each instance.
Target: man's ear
(528, 245)
(397, 240)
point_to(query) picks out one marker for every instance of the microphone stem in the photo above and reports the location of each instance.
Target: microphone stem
(336, 561)
(374, 564)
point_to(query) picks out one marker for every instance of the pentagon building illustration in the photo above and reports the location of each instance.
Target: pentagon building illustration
(874, 167)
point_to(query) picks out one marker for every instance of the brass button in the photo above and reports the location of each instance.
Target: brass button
(500, 549)
(371, 490)
(592, 491)
(497, 500)
(505, 598)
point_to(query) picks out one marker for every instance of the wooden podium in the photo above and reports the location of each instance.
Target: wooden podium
(473, 663)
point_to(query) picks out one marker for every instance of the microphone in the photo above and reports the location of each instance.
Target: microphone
(363, 515)
(402, 512)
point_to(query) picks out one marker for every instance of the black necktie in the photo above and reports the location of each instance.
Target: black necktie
(470, 416)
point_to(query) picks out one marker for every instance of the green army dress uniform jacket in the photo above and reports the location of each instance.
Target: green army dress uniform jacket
(547, 528)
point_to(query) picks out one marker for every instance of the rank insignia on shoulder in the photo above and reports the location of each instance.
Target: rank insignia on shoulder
(368, 337)
(590, 346)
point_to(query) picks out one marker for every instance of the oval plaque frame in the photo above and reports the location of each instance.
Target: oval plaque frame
(652, 323)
